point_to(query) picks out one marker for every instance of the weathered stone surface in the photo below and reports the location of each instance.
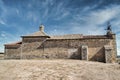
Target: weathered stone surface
(1, 56)
(33, 48)
(84, 52)
(108, 54)
(12, 52)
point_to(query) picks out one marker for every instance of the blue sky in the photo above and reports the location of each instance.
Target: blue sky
(21, 17)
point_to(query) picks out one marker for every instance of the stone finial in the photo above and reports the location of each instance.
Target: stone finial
(41, 28)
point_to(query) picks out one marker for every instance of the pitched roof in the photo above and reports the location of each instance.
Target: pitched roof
(95, 36)
(78, 36)
(15, 43)
(68, 36)
(38, 33)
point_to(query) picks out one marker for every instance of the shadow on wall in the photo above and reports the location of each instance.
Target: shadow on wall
(76, 55)
(99, 56)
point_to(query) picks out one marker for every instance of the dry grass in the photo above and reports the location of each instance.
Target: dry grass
(57, 70)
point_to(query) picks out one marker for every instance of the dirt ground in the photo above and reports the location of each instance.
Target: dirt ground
(57, 70)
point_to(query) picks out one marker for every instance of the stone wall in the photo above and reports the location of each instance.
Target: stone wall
(1, 56)
(12, 52)
(33, 48)
(114, 47)
(72, 48)
(64, 48)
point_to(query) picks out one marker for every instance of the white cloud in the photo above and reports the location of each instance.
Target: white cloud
(87, 8)
(6, 37)
(29, 5)
(56, 32)
(32, 16)
(94, 21)
(102, 16)
(46, 2)
(3, 35)
(17, 11)
(58, 12)
(45, 15)
(2, 22)
(62, 15)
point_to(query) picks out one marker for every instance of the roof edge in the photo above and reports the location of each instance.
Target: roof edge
(12, 44)
(34, 36)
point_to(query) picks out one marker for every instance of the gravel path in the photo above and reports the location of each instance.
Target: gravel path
(57, 70)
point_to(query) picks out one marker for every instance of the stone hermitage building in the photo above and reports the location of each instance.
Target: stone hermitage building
(39, 45)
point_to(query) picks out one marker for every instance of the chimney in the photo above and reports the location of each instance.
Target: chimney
(41, 28)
